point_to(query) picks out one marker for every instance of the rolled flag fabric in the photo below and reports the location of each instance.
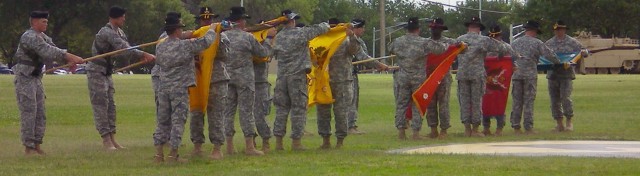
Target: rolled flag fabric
(322, 49)
(199, 94)
(499, 72)
(565, 58)
(422, 96)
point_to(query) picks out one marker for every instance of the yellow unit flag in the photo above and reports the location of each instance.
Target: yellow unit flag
(260, 36)
(199, 94)
(322, 49)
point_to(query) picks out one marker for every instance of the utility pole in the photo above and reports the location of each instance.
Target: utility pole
(480, 11)
(241, 3)
(382, 29)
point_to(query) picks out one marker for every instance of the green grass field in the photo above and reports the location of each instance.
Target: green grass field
(607, 108)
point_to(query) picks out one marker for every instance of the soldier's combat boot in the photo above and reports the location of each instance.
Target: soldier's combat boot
(401, 134)
(475, 132)
(339, 143)
(230, 149)
(113, 141)
(530, 132)
(250, 148)
(279, 145)
(39, 151)
(297, 145)
(559, 126)
(518, 131)
(107, 143)
(569, 125)
(416, 135)
(354, 130)
(467, 130)
(326, 142)
(486, 131)
(434, 133)
(175, 158)
(266, 147)
(197, 149)
(216, 154)
(498, 132)
(28, 151)
(159, 158)
(443, 134)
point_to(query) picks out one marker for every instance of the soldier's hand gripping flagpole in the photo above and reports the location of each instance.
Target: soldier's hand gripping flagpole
(108, 54)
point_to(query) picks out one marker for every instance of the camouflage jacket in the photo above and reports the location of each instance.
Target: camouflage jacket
(362, 55)
(530, 50)
(471, 60)
(411, 51)
(340, 67)
(566, 45)
(110, 38)
(175, 57)
(33, 50)
(155, 71)
(241, 49)
(291, 48)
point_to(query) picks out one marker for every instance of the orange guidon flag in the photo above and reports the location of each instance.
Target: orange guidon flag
(322, 49)
(199, 94)
(422, 96)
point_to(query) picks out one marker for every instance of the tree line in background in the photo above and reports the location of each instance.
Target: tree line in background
(73, 23)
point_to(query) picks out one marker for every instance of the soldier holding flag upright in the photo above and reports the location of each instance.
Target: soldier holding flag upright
(411, 51)
(101, 89)
(34, 49)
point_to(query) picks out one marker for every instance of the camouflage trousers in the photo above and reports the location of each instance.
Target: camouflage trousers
(262, 108)
(438, 109)
(404, 86)
(290, 98)
(341, 92)
(470, 94)
(241, 98)
(172, 115)
(500, 122)
(352, 116)
(30, 96)
(101, 92)
(523, 95)
(216, 107)
(560, 94)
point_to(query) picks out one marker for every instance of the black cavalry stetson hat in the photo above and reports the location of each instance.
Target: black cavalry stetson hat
(494, 31)
(238, 13)
(476, 21)
(532, 24)
(559, 25)
(438, 23)
(206, 14)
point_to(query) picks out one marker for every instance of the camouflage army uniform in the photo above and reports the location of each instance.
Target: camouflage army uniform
(411, 51)
(500, 119)
(34, 48)
(216, 106)
(262, 103)
(525, 78)
(352, 115)
(439, 106)
(561, 80)
(471, 74)
(291, 50)
(101, 90)
(241, 96)
(175, 58)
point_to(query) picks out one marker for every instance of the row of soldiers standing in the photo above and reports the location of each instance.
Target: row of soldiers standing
(411, 50)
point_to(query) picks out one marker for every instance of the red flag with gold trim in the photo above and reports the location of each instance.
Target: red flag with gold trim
(499, 71)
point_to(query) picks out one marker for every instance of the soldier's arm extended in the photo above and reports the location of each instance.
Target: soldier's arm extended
(196, 45)
(264, 49)
(500, 47)
(118, 43)
(546, 52)
(42, 48)
(311, 32)
(362, 55)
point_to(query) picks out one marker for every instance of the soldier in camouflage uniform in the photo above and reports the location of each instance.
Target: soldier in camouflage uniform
(241, 50)
(340, 75)
(471, 74)
(291, 50)
(495, 33)
(262, 103)
(101, 90)
(438, 109)
(411, 51)
(176, 61)
(525, 77)
(34, 49)
(196, 125)
(560, 79)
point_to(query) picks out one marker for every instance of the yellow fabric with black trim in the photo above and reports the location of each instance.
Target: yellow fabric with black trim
(322, 49)
(199, 94)
(260, 36)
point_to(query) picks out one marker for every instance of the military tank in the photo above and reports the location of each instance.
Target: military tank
(609, 55)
